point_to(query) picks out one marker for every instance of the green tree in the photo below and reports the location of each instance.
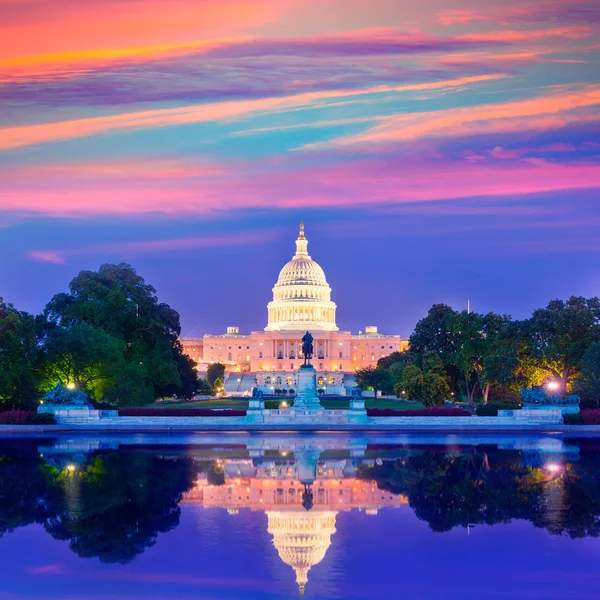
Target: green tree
(435, 333)
(429, 384)
(477, 337)
(85, 356)
(19, 358)
(215, 371)
(559, 335)
(375, 379)
(587, 384)
(218, 387)
(204, 388)
(118, 301)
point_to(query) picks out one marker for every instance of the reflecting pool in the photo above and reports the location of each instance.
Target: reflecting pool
(278, 516)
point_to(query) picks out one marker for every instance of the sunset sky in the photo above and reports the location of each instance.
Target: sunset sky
(438, 151)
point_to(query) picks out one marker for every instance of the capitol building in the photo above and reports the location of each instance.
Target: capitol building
(269, 358)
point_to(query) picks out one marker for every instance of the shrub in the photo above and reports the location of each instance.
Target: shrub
(43, 419)
(103, 406)
(179, 412)
(487, 410)
(491, 408)
(26, 417)
(291, 391)
(422, 412)
(573, 419)
(274, 404)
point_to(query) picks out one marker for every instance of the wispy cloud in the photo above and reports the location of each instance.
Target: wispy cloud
(15, 137)
(61, 257)
(550, 111)
(540, 11)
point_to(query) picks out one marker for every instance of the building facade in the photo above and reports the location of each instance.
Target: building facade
(269, 358)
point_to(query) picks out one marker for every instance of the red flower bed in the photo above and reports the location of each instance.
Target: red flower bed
(179, 412)
(591, 417)
(16, 417)
(422, 412)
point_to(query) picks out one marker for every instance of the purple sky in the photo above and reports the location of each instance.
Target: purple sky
(437, 152)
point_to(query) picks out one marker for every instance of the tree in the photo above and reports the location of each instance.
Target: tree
(477, 338)
(219, 387)
(377, 379)
(560, 334)
(118, 301)
(19, 357)
(85, 356)
(215, 371)
(429, 384)
(204, 388)
(587, 385)
(435, 333)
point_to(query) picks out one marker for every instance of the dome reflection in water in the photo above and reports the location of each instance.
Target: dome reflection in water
(113, 501)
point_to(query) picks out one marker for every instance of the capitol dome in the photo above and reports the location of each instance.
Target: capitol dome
(301, 296)
(301, 539)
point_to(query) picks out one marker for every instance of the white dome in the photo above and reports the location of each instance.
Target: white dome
(301, 296)
(302, 270)
(302, 539)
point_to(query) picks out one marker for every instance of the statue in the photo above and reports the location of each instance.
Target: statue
(61, 395)
(61, 398)
(537, 395)
(357, 394)
(257, 394)
(307, 348)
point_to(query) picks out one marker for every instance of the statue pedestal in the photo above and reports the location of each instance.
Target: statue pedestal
(306, 398)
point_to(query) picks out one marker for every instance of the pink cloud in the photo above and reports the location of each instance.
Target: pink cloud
(151, 246)
(50, 569)
(524, 12)
(54, 257)
(372, 182)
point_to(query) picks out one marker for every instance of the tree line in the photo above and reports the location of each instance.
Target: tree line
(481, 357)
(108, 336)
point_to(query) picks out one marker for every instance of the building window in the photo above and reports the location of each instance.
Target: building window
(341, 354)
(340, 367)
(320, 381)
(267, 381)
(289, 380)
(260, 355)
(229, 357)
(331, 380)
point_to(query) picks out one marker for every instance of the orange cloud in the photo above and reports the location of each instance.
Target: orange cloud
(15, 137)
(54, 28)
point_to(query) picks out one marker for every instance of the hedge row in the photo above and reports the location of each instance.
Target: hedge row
(422, 412)
(585, 417)
(179, 412)
(25, 417)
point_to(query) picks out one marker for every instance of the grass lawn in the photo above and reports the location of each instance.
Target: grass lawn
(327, 403)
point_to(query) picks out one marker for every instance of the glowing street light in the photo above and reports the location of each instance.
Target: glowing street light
(70, 386)
(553, 386)
(553, 467)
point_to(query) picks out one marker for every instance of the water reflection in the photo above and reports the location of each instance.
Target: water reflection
(112, 498)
